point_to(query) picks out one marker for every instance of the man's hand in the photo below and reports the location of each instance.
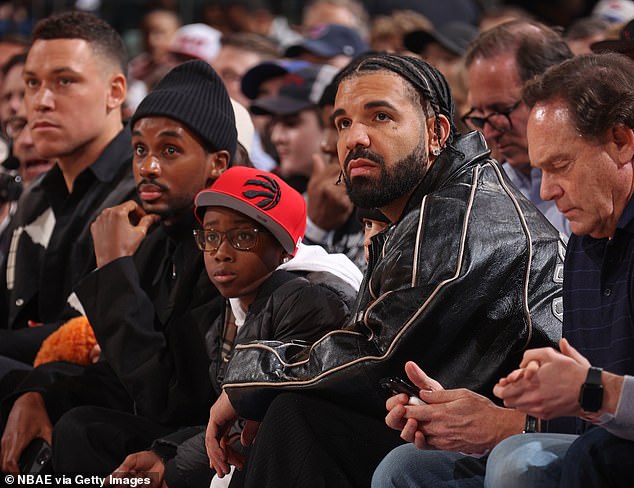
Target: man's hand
(143, 464)
(329, 206)
(547, 384)
(454, 420)
(460, 420)
(396, 405)
(118, 231)
(27, 420)
(221, 417)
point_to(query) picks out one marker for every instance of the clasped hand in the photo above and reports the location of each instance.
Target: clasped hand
(547, 383)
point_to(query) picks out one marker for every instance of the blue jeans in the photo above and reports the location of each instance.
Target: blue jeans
(527, 460)
(408, 466)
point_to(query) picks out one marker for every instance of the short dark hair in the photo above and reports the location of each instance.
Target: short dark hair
(248, 41)
(586, 27)
(104, 40)
(428, 84)
(14, 60)
(536, 46)
(597, 89)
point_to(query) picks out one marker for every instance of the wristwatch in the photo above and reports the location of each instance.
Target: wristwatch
(591, 395)
(532, 425)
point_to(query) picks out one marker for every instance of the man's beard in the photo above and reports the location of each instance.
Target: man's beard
(391, 184)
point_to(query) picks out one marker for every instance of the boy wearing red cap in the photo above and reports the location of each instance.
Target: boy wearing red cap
(252, 222)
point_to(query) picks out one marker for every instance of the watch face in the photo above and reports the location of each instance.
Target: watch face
(591, 397)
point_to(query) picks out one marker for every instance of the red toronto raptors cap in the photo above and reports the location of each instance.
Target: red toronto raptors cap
(262, 196)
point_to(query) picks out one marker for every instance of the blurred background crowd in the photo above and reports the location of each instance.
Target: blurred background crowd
(264, 49)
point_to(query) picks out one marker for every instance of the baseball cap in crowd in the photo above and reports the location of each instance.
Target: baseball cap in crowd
(244, 126)
(262, 196)
(624, 44)
(614, 10)
(328, 41)
(266, 70)
(300, 90)
(453, 36)
(196, 41)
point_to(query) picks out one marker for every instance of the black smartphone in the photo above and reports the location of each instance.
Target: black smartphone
(36, 458)
(395, 385)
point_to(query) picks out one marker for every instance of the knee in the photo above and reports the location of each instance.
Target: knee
(71, 426)
(80, 432)
(396, 468)
(289, 403)
(69, 437)
(290, 411)
(505, 463)
(522, 461)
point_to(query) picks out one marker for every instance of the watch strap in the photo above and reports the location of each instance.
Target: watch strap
(532, 425)
(594, 376)
(591, 394)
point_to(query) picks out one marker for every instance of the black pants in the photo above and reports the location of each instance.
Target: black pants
(599, 459)
(307, 442)
(94, 440)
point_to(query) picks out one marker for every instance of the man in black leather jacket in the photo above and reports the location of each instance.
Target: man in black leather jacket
(466, 278)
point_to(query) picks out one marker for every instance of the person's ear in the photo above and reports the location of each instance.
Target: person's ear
(285, 258)
(434, 143)
(117, 92)
(621, 139)
(217, 162)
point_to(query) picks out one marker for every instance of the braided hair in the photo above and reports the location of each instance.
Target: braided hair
(429, 84)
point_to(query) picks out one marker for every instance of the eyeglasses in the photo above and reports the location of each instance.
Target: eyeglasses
(209, 240)
(14, 127)
(499, 120)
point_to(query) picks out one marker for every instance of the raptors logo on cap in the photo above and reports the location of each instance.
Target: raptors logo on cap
(270, 193)
(261, 196)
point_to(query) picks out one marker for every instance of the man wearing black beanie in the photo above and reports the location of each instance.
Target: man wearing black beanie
(149, 283)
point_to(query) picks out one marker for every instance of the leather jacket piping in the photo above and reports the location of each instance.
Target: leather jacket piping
(527, 314)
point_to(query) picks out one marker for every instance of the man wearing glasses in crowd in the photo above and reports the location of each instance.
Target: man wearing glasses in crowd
(499, 62)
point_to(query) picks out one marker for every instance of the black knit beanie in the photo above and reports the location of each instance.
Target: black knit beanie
(192, 93)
